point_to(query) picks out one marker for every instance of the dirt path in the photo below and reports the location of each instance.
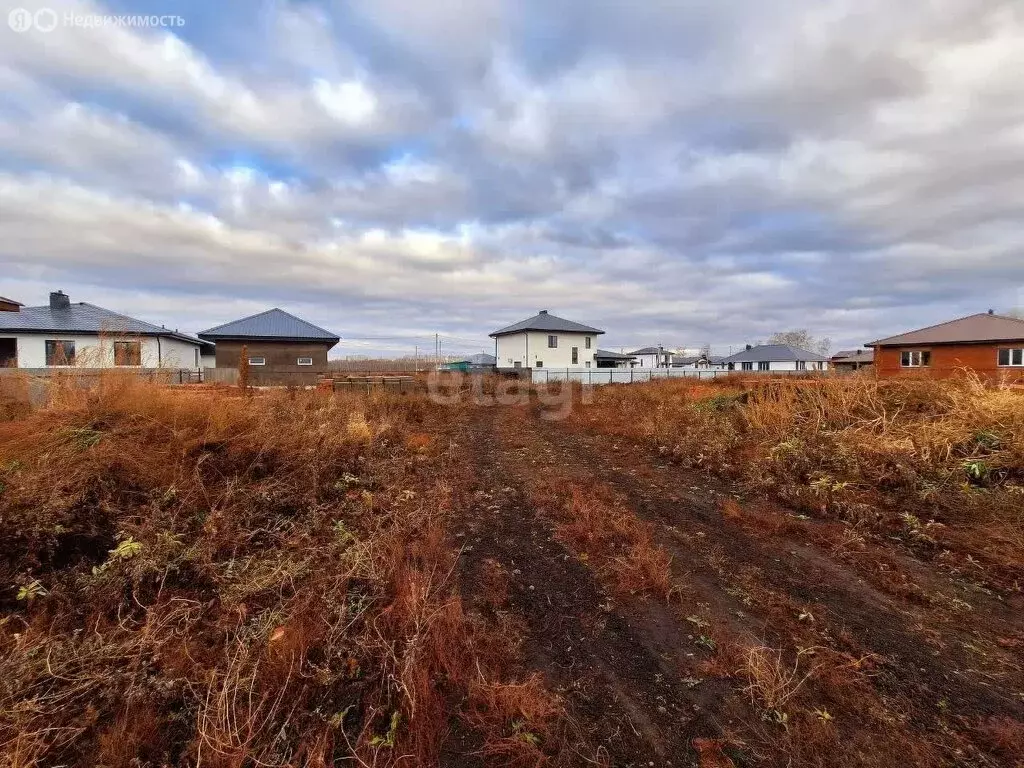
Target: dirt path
(641, 677)
(618, 677)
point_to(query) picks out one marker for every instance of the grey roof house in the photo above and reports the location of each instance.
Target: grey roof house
(61, 333)
(852, 359)
(274, 340)
(775, 357)
(607, 359)
(546, 341)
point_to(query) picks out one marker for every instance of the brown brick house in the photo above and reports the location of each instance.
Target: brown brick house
(989, 344)
(275, 341)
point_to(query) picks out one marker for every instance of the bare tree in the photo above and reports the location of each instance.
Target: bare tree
(802, 338)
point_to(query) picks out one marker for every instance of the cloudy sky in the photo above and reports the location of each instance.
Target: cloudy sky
(688, 172)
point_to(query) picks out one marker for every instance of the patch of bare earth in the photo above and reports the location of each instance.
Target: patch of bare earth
(682, 627)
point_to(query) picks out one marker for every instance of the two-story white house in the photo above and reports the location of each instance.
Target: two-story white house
(775, 357)
(546, 341)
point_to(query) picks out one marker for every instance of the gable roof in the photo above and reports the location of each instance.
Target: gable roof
(853, 356)
(273, 325)
(605, 354)
(545, 321)
(82, 317)
(774, 353)
(652, 351)
(964, 330)
(5, 300)
(691, 359)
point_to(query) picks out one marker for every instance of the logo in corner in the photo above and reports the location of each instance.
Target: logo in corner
(45, 19)
(20, 20)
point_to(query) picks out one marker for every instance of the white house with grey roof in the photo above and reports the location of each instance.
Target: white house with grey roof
(783, 358)
(63, 334)
(546, 341)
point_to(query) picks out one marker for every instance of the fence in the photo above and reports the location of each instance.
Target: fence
(597, 376)
(88, 376)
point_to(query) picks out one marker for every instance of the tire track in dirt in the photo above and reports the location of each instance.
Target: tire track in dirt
(622, 682)
(879, 622)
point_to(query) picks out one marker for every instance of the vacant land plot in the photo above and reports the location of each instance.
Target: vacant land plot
(826, 576)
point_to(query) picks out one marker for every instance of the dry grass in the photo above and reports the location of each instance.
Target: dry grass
(939, 464)
(234, 581)
(609, 536)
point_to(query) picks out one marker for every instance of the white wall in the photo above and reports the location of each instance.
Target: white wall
(93, 352)
(788, 365)
(530, 348)
(651, 361)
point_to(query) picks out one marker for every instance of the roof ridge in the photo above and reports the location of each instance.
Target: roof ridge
(947, 322)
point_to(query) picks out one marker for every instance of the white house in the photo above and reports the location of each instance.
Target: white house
(699, 363)
(61, 334)
(776, 357)
(653, 357)
(546, 341)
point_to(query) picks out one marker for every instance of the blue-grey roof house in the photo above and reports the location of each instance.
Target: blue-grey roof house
(273, 340)
(63, 334)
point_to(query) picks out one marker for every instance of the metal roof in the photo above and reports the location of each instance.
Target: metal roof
(981, 327)
(652, 351)
(81, 317)
(712, 360)
(545, 321)
(604, 354)
(853, 356)
(274, 324)
(774, 353)
(481, 358)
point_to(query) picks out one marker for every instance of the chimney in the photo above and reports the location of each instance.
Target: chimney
(543, 312)
(59, 300)
(749, 347)
(991, 312)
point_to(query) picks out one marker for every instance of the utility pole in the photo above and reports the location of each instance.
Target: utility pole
(437, 348)
(416, 359)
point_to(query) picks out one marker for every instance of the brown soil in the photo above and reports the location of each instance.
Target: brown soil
(910, 666)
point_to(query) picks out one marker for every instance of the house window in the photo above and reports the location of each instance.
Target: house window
(587, 342)
(575, 355)
(915, 358)
(127, 353)
(60, 352)
(746, 366)
(257, 361)
(518, 364)
(1011, 357)
(304, 361)
(552, 342)
(587, 364)
(539, 364)
(801, 365)
(764, 365)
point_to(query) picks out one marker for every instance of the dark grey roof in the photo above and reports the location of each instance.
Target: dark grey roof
(651, 351)
(544, 321)
(81, 317)
(965, 330)
(274, 324)
(853, 356)
(774, 353)
(604, 354)
(481, 358)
